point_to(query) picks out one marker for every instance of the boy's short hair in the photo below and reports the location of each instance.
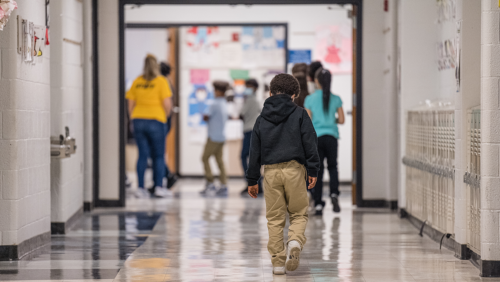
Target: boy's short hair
(252, 83)
(221, 86)
(285, 84)
(313, 68)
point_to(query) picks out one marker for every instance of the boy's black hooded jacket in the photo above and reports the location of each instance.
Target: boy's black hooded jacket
(283, 132)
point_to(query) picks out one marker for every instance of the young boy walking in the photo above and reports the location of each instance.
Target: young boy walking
(216, 116)
(284, 142)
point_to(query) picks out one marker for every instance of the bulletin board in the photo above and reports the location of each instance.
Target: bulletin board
(231, 53)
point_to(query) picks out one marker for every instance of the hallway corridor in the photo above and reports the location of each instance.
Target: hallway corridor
(224, 239)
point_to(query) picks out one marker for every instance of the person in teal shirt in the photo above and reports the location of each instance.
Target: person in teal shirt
(325, 110)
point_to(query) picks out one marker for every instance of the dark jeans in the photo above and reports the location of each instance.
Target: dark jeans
(168, 126)
(327, 148)
(150, 137)
(245, 153)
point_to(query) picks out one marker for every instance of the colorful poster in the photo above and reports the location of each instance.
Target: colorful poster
(199, 98)
(334, 48)
(239, 74)
(201, 46)
(200, 76)
(299, 56)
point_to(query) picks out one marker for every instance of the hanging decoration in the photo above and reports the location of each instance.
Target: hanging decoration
(6, 8)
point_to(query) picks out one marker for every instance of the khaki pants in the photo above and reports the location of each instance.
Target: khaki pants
(285, 190)
(214, 149)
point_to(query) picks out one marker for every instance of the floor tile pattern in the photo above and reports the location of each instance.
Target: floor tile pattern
(96, 248)
(224, 239)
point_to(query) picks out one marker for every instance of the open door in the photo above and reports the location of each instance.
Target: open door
(171, 151)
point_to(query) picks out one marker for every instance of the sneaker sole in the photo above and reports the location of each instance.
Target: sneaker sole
(293, 259)
(279, 273)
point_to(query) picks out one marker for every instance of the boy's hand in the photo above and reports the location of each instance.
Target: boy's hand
(253, 191)
(312, 182)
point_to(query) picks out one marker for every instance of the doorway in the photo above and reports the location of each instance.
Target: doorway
(356, 78)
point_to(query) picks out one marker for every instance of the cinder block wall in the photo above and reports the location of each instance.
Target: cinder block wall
(379, 102)
(490, 132)
(67, 105)
(24, 135)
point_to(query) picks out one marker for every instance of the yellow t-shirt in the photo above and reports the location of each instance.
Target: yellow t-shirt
(148, 97)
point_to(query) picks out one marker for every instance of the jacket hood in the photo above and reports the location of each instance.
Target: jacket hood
(277, 108)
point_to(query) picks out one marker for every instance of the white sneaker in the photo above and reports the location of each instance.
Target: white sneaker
(292, 255)
(279, 270)
(163, 192)
(141, 193)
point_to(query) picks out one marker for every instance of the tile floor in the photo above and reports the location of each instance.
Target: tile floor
(224, 239)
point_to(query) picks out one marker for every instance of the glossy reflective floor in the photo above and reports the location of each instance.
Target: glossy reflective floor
(224, 239)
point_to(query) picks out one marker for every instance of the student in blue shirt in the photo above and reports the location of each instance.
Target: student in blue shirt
(325, 110)
(216, 116)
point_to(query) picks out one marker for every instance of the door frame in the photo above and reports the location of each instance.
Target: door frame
(358, 175)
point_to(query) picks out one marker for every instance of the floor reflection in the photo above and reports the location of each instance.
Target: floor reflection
(191, 238)
(95, 248)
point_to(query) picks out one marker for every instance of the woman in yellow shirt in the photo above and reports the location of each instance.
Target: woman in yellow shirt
(149, 103)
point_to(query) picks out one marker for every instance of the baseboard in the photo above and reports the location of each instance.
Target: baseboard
(402, 213)
(109, 204)
(487, 268)
(62, 227)
(432, 233)
(88, 206)
(490, 268)
(393, 205)
(16, 252)
(462, 252)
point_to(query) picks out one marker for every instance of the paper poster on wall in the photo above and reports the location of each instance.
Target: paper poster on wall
(39, 34)
(199, 76)
(200, 46)
(299, 56)
(263, 46)
(446, 54)
(239, 74)
(199, 100)
(231, 54)
(334, 48)
(446, 10)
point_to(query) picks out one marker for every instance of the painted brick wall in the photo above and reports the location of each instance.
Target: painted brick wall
(490, 131)
(67, 104)
(24, 134)
(379, 101)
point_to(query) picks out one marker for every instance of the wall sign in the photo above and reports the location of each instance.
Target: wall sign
(299, 56)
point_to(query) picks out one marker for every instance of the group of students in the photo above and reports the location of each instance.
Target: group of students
(291, 136)
(323, 107)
